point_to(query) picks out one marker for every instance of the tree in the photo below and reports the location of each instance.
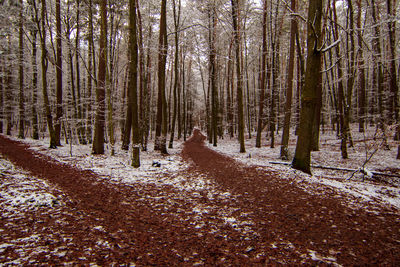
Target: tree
(289, 86)
(41, 25)
(237, 40)
(133, 78)
(177, 16)
(59, 71)
(309, 97)
(260, 124)
(98, 141)
(35, 126)
(21, 125)
(213, 72)
(161, 122)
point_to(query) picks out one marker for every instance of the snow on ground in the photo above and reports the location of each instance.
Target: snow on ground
(21, 192)
(118, 169)
(358, 185)
(172, 172)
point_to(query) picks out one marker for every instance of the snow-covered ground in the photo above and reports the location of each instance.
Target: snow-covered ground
(118, 169)
(355, 184)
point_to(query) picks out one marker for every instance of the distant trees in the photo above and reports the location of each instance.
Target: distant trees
(234, 67)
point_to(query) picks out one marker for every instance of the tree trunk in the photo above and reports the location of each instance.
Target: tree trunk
(378, 78)
(177, 16)
(213, 74)
(393, 87)
(133, 77)
(361, 74)
(81, 128)
(289, 87)
(59, 71)
(9, 91)
(21, 110)
(35, 133)
(260, 123)
(98, 141)
(302, 156)
(161, 123)
(237, 39)
(91, 74)
(44, 63)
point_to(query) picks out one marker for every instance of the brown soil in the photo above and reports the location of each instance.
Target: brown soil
(149, 225)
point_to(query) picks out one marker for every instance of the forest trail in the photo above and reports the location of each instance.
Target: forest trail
(258, 218)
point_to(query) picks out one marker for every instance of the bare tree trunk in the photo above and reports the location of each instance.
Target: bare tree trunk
(289, 87)
(361, 73)
(213, 74)
(59, 71)
(133, 77)
(237, 39)
(91, 74)
(177, 16)
(393, 87)
(302, 156)
(44, 63)
(21, 100)
(2, 75)
(35, 133)
(81, 128)
(98, 141)
(260, 124)
(161, 123)
(9, 91)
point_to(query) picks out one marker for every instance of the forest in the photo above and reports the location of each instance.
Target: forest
(199, 132)
(126, 72)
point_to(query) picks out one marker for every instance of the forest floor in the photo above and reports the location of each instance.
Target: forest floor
(201, 207)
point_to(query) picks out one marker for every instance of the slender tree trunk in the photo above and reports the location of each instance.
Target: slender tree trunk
(213, 74)
(44, 63)
(302, 156)
(361, 73)
(81, 128)
(91, 74)
(378, 77)
(161, 123)
(98, 141)
(35, 133)
(393, 86)
(264, 52)
(2, 75)
(9, 91)
(133, 78)
(176, 69)
(289, 87)
(21, 113)
(59, 77)
(237, 39)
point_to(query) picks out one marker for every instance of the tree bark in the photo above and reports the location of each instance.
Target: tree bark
(176, 70)
(35, 127)
(161, 122)
(59, 71)
(289, 87)
(44, 64)
(21, 100)
(260, 123)
(361, 73)
(98, 141)
(302, 156)
(133, 78)
(237, 39)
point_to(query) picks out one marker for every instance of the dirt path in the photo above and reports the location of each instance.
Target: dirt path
(255, 219)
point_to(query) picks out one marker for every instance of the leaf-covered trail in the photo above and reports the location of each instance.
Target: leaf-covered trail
(252, 218)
